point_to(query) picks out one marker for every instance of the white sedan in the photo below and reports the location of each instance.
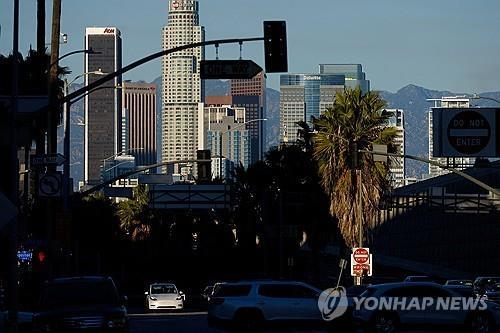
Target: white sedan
(164, 296)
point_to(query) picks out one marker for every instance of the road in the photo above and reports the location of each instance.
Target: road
(182, 323)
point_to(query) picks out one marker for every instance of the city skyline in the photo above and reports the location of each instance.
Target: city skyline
(389, 38)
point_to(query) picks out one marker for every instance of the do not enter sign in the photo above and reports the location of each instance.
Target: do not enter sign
(361, 261)
(465, 132)
(469, 132)
(361, 255)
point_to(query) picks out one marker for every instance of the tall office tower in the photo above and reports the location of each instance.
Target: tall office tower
(103, 130)
(139, 104)
(255, 87)
(182, 87)
(308, 95)
(456, 162)
(353, 73)
(222, 131)
(304, 96)
(397, 168)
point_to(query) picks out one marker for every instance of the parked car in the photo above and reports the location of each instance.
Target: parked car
(465, 291)
(482, 283)
(81, 304)
(418, 278)
(164, 296)
(249, 305)
(206, 293)
(492, 293)
(459, 283)
(394, 319)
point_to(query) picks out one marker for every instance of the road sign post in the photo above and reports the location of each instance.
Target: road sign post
(228, 69)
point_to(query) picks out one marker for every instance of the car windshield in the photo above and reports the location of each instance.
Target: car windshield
(459, 283)
(163, 289)
(494, 288)
(79, 293)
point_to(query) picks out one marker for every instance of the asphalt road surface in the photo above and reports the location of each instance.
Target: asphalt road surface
(182, 323)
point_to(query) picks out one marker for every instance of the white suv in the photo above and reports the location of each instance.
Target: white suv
(164, 296)
(248, 304)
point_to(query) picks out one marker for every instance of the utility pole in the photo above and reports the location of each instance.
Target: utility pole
(356, 167)
(13, 288)
(54, 56)
(52, 123)
(40, 26)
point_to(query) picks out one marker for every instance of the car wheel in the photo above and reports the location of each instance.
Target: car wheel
(480, 323)
(385, 323)
(248, 321)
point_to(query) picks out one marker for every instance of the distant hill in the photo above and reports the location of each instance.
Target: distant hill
(411, 98)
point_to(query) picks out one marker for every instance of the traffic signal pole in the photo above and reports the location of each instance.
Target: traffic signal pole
(151, 57)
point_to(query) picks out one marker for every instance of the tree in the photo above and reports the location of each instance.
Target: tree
(134, 215)
(356, 119)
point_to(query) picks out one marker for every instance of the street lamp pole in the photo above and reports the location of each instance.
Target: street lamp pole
(226, 132)
(477, 96)
(67, 131)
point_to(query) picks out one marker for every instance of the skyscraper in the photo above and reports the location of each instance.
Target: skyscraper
(139, 104)
(103, 124)
(353, 73)
(182, 87)
(397, 166)
(304, 96)
(456, 162)
(251, 94)
(222, 131)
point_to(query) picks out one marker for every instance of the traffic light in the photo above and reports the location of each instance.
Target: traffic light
(275, 47)
(204, 168)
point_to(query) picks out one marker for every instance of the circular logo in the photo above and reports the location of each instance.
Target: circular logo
(332, 303)
(469, 132)
(175, 5)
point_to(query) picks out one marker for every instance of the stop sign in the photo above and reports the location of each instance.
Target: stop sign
(361, 255)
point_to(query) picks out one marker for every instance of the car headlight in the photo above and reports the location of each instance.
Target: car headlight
(153, 298)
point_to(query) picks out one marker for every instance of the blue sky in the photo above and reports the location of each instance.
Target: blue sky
(439, 44)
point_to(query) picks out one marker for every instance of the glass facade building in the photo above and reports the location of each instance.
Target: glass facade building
(304, 96)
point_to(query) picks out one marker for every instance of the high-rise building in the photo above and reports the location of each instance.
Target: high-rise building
(456, 162)
(139, 106)
(182, 87)
(251, 94)
(304, 96)
(353, 73)
(222, 131)
(103, 124)
(397, 165)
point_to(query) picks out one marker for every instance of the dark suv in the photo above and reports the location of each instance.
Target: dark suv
(81, 304)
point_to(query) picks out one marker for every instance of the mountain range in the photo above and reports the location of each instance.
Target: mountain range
(411, 98)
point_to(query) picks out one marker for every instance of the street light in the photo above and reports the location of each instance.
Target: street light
(67, 126)
(87, 51)
(226, 132)
(476, 96)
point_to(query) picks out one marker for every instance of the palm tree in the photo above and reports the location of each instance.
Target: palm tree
(134, 215)
(355, 119)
